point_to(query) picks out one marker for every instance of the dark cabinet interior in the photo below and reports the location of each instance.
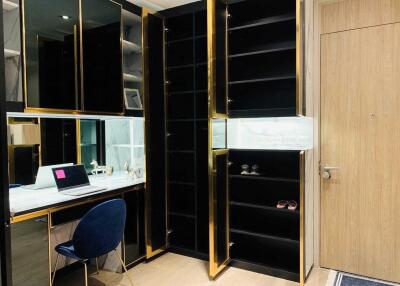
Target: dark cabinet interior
(262, 69)
(24, 163)
(261, 233)
(187, 130)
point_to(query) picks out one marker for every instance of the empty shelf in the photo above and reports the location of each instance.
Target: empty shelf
(272, 78)
(11, 53)
(263, 178)
(9, 6)
(132, 78)
(265, 21)
(130, 19)
(265, 49)
(130, 47)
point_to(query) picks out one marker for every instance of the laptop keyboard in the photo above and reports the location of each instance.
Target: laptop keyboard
(80, 191)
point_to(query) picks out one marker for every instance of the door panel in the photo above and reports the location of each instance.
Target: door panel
(360, 130)
(156, 207)
(219, 212)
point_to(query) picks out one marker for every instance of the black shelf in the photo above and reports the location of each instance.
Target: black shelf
(268, 112)
(267, 208)
(180, 92)
(264, 236)
(181, 183)
(255, 177)
(182, 215)
(265, 49)
(180, 40)
(265, 269)
(265, 21)
(271, 78)
(181, 151)
(179, 66)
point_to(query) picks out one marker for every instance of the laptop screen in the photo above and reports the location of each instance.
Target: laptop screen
(70, 177)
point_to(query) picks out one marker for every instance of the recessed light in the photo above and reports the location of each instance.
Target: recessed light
(65, 17)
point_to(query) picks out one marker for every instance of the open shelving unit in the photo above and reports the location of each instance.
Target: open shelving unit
(262, 234)
(186, 93)
(12, 53)
(132, 52)
(262, 70)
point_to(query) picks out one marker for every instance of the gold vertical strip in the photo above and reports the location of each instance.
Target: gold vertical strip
(78, 142)
(299, 58)
(40, 145)
(24, 79)
(49, 223)
(211, 89)
(302, 217)
(81, 56)
(76, 67)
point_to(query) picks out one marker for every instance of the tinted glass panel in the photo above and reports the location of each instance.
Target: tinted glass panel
(51, 37)
(102, 58)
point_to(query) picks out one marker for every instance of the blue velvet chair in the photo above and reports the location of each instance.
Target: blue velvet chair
(99, 232)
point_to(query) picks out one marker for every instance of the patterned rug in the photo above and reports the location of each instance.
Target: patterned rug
(344, 279)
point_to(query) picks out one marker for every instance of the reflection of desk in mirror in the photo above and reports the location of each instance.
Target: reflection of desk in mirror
(43, 218)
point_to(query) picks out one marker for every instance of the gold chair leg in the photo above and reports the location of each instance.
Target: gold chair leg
(97, 266)
(123, 265)
(86, 274)
(55, 269)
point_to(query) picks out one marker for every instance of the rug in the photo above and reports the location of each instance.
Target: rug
(345, 279)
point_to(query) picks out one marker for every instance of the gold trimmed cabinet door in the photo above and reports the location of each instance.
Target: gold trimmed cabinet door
(155, 136)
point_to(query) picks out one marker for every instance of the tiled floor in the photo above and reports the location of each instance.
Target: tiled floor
(176, 270)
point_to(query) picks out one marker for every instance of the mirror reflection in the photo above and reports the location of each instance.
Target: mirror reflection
(102, 146)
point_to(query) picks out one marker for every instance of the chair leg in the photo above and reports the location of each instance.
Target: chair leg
(97, 266)
(86, 274)
(55, 269)
(123, 265)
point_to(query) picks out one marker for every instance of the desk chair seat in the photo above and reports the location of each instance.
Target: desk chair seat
(99, 232)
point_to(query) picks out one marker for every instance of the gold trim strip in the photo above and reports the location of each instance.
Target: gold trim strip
(299, 59)
(78, 142)
(302, 218)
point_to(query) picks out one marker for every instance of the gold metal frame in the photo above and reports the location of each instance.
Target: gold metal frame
(78, 142)
(302, 218)
(214, 268)
(300, 104)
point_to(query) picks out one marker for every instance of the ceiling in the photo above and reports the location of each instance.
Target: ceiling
(158, 5)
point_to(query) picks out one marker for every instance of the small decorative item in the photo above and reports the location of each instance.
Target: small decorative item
(139, 173)
(98, 169)
(132, 99)
(254, 170)
(109, 170)
(245, 169)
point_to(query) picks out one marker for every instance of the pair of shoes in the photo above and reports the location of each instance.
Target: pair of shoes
(291, 205)
(254, 170)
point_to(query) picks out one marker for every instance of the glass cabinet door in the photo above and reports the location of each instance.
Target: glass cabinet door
(101, 56)
(51, 33)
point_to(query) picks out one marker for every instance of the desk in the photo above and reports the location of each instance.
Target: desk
(42, 218)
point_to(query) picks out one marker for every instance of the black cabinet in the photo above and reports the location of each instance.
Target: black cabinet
(73, 55)
(134, 237)
(30, 252)
(23, 163)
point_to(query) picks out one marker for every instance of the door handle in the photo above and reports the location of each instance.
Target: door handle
(326, 172)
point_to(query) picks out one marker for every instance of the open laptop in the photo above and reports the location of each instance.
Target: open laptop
(74, 181)
(45, 178)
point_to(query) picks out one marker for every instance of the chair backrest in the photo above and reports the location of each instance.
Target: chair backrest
(100, 230)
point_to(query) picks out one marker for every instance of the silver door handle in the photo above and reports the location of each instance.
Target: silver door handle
(326, 172)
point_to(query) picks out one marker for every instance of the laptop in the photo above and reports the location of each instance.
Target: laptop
(45, 178)
(74, 181)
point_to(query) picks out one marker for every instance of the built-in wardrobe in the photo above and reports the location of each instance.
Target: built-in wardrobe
(225, 60)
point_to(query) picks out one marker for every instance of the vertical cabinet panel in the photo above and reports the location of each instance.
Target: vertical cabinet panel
(134, 240)
(51, 49)
(219, 212)
(101, 56)
(30, 252)
(156, 225)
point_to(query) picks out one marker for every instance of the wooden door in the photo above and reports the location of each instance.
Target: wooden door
(360, 132)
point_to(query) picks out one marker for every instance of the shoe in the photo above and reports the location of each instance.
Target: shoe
(282, 204)
(245, 169)
(254, 170)
(292, 205)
